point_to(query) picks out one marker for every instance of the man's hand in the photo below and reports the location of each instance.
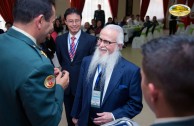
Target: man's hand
(62, 78)
(74, 120)
(103, 118)
(56, 71)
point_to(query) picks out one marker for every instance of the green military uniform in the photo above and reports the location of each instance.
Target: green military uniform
(26, 98)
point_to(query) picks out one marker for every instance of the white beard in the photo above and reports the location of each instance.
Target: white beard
(107, 61)
(84, 30)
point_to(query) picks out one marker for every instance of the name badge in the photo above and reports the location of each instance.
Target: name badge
(95, 101)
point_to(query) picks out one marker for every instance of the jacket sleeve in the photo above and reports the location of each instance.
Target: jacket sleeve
(134, 104)
(77, 105)
(43, 106)
(58, 50)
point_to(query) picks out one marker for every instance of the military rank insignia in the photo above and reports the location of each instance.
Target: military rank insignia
(43, 53)
(49, 82)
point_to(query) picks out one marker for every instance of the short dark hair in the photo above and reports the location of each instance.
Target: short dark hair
(26, 10)
(168, 62)
(72, 11)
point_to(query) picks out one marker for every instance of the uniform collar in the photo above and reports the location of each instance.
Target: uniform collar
(25, 33)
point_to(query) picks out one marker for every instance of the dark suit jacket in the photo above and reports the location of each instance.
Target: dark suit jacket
(25, 101)
(189, 122)
(86, 47)
(99, 15)
(49, 47)
(123, 96)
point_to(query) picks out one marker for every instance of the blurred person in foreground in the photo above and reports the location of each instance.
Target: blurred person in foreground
(168, 86)
(109, 86)
(31, 90)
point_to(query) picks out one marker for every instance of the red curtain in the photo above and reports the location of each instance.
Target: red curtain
(181, 1)
(165, 7)
(6, 8)
(78, 4)
(113, 7)
(190, 3)
(144, 7)
(186, 20)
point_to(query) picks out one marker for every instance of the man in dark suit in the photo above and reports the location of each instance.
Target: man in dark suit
(172, 24)
(48, 47)
(109, 86)
(147, 24)
(99, 15)
(168, 86)
(71, 48)
(31, 90)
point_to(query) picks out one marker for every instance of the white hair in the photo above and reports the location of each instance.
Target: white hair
(119, 30)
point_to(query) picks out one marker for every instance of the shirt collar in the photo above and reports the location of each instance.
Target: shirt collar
(76, 35)
(25, 33)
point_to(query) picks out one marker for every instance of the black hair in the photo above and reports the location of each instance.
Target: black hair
(168, 62)
(26, 10)
(72, 11)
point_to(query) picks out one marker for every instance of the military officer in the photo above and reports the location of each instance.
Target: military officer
(31, 90)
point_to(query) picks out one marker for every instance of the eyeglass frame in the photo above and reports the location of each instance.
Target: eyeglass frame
(105, 42)
(73, 21)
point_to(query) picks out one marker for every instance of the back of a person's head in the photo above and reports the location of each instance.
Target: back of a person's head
(72, 11)
(147, 18)
(26, 10)
(168, 62)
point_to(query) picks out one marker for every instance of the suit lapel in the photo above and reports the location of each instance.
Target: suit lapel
(90, 83)
(65, 45)
(115, 77)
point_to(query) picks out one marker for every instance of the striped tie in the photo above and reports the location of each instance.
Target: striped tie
(72, 48)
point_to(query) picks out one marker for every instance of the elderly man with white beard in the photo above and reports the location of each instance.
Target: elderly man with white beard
(109, 86)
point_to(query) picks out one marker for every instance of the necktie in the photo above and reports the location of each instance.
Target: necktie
(72, 48)
(98, 82)
(99, 85)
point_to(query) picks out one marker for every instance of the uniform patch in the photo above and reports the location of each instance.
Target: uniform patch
(49, 82)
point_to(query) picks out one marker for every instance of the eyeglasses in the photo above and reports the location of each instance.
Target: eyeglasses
(106, 42)
(73, 21)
